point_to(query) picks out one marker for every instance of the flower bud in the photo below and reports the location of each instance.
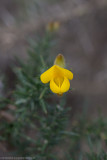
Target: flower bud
(53, 26)
(60, 61)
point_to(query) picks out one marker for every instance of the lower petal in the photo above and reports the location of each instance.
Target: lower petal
(54, 88)
(65, 85)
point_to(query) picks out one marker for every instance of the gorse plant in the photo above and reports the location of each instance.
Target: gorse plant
(37, 124)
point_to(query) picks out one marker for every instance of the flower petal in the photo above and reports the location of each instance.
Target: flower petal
(54, 88)
(68, 74)
(63, 72)
(57, 71)
(65, 85)
(47, 75)
(58, 81)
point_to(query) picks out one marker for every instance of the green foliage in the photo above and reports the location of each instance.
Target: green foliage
(39, 124)
(100, 156)
(91, 142)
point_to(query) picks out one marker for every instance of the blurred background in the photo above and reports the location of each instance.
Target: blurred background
(81, 38)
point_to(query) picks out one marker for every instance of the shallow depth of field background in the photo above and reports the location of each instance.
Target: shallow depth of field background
(81, 38)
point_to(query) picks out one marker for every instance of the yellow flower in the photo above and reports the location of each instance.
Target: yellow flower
(53, 26)
(58, 77)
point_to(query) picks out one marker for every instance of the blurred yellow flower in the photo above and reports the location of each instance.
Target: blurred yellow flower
(53, 26)
(103, 136)
(57, 76)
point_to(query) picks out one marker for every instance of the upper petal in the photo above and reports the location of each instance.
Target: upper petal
(65, 85)
(63, 72)
(47, 75)
(53, 86)
(57, 71)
